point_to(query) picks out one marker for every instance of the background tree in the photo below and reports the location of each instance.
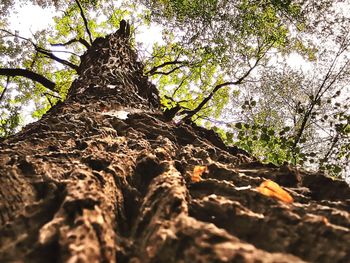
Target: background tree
(314, 104)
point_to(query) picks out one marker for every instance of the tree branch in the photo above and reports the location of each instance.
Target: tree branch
(30, 75)
(15, 35)
(52, 56)
(80, 40)
(189, 114)
(85, 20)
(179, 86)
(44, 51)
(322, 89)
(52, 95)
(153, 71)
(168, 72)
(259, 55)
(334, 142)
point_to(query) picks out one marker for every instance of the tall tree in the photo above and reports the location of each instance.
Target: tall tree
(105, 177)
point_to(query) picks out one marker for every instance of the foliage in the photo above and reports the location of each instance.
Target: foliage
(225, 64)
(309, 112)
(9, 119)
(38, 54)
(291, 112)
(214, 42)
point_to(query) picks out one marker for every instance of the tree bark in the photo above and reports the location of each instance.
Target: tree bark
(103, 177)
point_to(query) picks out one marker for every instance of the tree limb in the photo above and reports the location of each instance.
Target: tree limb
(30, 75)
(334, 142)
(80, 40)
(153, 71)
(168, 72)
(189, 114)
(44, 51)
(52, 56)
(85, 20)
(321, 90)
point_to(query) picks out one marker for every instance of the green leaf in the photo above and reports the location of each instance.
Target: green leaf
(239, 125)
(265, 137)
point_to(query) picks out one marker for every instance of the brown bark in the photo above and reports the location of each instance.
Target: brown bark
(87, 184)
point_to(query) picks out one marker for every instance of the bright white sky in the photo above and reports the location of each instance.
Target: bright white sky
(30, 18)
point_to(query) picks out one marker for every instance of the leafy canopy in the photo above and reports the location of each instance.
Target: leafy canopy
(223, 64)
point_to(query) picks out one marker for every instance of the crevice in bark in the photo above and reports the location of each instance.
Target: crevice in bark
(20, 237)
(147, 168)
(258, 220)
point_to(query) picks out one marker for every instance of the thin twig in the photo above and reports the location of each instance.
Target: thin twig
(3, 92)
(179, 86)
(52, 95)
(153, 71)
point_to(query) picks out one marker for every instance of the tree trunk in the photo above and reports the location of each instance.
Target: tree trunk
(102, 177)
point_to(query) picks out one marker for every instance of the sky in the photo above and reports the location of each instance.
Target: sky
(29, 18)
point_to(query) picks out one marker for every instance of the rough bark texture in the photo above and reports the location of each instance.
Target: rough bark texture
(87, 183)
